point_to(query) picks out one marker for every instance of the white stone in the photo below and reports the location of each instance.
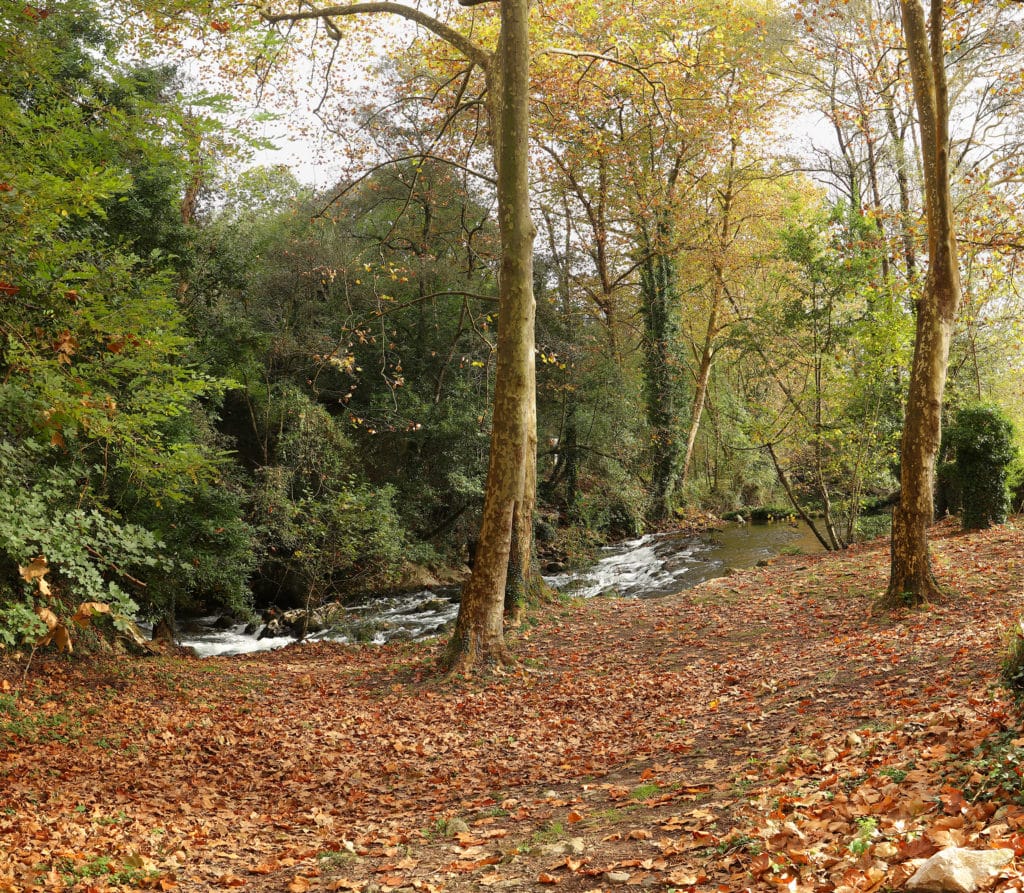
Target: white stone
(575, 845)
(957, 870)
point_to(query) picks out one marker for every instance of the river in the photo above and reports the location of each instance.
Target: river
(653, 565)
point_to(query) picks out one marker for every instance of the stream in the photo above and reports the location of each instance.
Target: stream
(653, 565)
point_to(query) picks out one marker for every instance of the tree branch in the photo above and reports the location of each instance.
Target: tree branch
(463, 44)
(416, 156)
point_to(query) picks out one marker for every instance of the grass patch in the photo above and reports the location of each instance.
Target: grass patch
(103, 867)
(897, 775)
(644, 791)
(551, 832)
(334, 859)
(34, 728)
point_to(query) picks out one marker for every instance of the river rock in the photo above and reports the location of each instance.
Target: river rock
(293, 623)
(274, 629)
(574, 846)
(958, 870)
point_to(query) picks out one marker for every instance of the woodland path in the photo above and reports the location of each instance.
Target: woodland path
(768, 730)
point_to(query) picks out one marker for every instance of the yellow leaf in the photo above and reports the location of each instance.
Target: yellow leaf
(57, 632)
(62, 639)
(34, 570)
(85, 611)
(48, 617)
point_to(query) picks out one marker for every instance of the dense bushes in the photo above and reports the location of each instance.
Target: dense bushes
(981, 438)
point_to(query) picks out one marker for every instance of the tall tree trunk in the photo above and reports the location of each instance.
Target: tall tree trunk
(707, 356)
(660, 302)
(510, 492)
(911, 580)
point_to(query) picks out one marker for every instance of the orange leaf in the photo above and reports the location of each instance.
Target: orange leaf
(546, 878)
(760, 864)
(265, 867)
(574, 817)
(299, 885)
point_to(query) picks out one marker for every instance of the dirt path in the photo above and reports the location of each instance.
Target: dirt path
(766, 729)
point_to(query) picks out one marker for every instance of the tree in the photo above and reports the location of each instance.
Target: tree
(102, 438)
(911, 579)
(507, 522)
(649, 138)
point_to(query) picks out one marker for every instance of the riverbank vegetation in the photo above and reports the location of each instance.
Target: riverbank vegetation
(223, 389)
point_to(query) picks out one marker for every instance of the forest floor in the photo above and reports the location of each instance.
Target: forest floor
(772, 730)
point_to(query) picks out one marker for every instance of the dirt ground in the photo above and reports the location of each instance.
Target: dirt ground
(769, 730)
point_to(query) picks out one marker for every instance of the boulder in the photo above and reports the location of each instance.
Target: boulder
(958, 870)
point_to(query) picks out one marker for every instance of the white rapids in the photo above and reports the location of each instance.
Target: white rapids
(653, 565)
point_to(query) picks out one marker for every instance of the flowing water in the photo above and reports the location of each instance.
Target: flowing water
(653, 565)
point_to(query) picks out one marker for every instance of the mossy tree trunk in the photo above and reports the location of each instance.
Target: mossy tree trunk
(911, 578)
(659, 297)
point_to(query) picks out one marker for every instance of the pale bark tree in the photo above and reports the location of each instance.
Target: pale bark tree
(504, 543)
(911, 579)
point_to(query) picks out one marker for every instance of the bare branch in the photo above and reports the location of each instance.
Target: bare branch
(416, 156)
(463, 44)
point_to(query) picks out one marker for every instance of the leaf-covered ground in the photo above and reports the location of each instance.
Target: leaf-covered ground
(769, 730)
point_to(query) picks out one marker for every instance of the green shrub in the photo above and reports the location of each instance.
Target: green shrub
(324, 529)
(90, 553)
(982, 439)
(1013, 661)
